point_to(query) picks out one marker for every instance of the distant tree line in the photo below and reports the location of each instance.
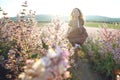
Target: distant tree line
(102, 19)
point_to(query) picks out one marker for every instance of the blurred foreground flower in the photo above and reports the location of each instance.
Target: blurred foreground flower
(53, 66)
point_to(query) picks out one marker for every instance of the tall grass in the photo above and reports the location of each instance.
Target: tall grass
(103, 52)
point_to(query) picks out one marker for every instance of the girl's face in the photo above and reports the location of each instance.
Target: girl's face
(75, 12)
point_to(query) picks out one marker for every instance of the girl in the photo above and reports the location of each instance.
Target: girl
(76, 33)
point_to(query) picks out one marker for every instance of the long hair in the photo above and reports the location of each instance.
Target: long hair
(80, 17)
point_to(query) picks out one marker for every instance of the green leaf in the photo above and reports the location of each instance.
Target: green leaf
(44, 45)
(34, 55)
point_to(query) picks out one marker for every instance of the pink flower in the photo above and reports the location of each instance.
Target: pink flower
(29, 61)
(67, 74)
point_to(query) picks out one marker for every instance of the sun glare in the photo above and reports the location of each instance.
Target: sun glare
(54, 7)
(64, 7)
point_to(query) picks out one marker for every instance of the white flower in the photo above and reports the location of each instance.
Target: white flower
(37, 64)
(58, 50)
(51, 53)
(45, 61)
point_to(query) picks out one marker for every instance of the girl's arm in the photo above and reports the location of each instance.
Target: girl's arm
(69, 26)
(70, 23)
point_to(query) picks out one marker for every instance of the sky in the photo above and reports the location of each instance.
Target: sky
(108, 8)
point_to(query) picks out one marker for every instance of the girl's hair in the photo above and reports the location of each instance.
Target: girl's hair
(80, 15)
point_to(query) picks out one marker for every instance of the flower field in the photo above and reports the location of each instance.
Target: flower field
(30, 52)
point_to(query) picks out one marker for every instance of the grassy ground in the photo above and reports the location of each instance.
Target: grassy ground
(83, 71)
(97, 24)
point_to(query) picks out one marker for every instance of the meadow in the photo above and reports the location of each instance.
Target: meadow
(99, 24)
(92, 24)
(30, 50)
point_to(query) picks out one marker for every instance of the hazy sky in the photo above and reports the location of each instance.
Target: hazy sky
(109, 8)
